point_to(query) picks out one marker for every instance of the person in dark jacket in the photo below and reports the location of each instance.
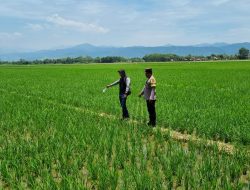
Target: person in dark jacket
(149, 92)
(124, 91)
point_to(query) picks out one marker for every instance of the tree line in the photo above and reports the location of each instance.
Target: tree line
(243, 54)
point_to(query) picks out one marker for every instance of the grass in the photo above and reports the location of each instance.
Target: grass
(46, 145)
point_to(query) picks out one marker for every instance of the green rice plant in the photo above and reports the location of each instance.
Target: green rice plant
(59, 132)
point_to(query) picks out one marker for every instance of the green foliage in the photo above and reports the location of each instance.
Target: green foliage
(113, 59)
(53, 136)
(161, 57)
(243, 53)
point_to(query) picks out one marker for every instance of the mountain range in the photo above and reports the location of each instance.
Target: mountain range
(133, 51)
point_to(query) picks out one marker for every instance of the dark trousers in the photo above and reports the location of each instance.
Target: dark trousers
(151, 112)
(123, 102)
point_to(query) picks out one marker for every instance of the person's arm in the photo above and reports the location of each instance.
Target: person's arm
(128, 81)
(153, 86)
(113, 84)
(142, 92)
(152, 95)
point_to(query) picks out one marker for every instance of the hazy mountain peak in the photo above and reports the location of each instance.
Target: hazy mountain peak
(134, 51)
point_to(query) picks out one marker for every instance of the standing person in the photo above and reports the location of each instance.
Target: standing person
(124, 91)
(149, 92)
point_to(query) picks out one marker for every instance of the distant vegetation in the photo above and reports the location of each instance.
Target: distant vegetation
(156, 57)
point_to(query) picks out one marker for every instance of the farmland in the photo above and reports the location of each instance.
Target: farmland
(58, 130)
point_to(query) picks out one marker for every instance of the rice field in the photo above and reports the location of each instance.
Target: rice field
(59, 131)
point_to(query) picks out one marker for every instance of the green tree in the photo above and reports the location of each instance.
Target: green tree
(113, 59)
(136, 59)
(243, 53)
(156, 57)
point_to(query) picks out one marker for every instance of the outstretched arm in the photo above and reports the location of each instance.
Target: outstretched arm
(113, 84)
(142, 92)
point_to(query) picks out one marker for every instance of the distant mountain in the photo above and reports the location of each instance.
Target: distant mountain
(134, 51)
(220, 44)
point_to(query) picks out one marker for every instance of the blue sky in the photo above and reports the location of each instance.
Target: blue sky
(46, 24)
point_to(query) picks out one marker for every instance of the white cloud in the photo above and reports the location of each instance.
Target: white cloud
(145, 22)
(76, 25)
(10, 36)
(219, 2)
(92, 7)
(236, 34)
(35, 27)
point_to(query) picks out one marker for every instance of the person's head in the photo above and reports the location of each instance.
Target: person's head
(148, 72)
(122, 73)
